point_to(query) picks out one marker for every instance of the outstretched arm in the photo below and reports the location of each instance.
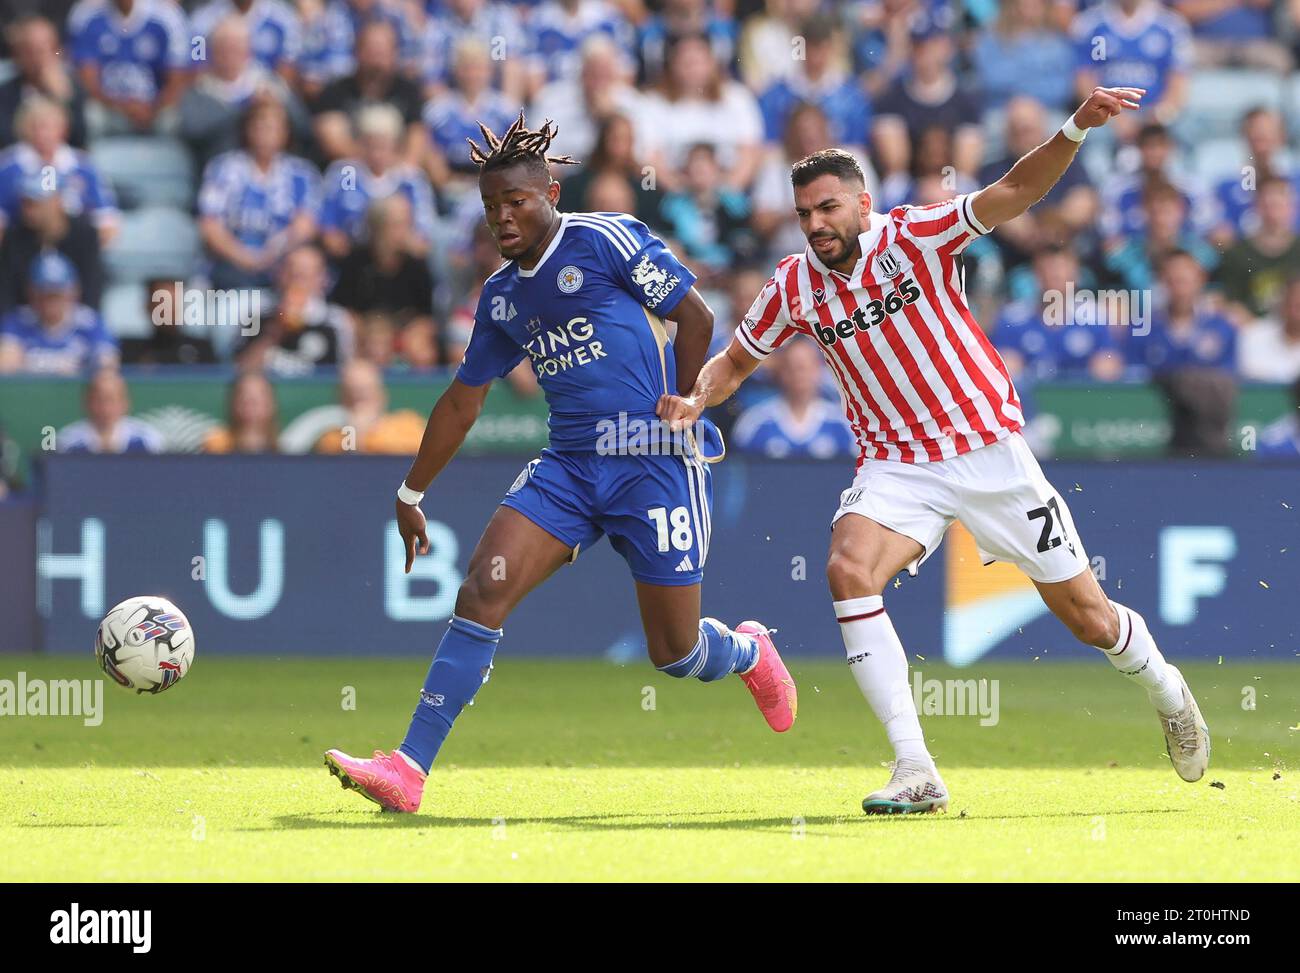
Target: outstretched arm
(718, 379)
(1037, 171)
(449, 423)
(694, 332)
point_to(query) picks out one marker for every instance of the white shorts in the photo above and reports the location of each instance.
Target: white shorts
(999, 494)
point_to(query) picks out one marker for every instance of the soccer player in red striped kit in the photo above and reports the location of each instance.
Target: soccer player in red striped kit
(939, 423)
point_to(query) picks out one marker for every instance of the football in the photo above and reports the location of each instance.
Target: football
(145, 644)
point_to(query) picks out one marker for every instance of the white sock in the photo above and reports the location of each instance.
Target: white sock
(1136, 655)
(410, 760)
(879, 666)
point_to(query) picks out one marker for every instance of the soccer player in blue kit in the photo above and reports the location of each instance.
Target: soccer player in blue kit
(582, 296)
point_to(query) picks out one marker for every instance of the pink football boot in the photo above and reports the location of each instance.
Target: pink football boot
(386, 779)
(770, 681)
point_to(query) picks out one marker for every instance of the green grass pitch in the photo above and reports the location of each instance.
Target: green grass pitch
(565, 771)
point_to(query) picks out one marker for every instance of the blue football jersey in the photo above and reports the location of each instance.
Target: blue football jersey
(1140, 52)
(135, 54)
(589, 319)
(273, 25)
(79, 344)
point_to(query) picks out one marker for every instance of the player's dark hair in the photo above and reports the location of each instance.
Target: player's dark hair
(834, 162)
(519, 145)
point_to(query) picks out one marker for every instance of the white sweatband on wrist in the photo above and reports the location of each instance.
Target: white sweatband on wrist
(1072, 131)
(409, 496)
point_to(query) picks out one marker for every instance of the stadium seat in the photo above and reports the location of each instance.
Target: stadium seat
(156, 241)
(1292, 105)
(1218, 159)
(146, 170)
(1218, 99)
(123, 310)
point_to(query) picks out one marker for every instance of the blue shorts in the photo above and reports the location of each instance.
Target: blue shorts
(656, 510)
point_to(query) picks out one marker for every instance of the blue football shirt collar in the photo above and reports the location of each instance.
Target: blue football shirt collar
(555, 242)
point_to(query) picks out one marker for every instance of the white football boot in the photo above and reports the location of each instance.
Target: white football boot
(1187, 738)
(913, 788)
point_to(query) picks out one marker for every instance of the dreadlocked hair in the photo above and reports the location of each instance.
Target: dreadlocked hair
(518, 144)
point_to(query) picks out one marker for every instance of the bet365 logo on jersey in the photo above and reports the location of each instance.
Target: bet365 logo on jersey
(870, 314)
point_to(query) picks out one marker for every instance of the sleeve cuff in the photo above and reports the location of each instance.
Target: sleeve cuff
(968, 215)
(750, 343)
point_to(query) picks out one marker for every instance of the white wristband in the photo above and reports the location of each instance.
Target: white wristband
(409, 496)
(1072, 131)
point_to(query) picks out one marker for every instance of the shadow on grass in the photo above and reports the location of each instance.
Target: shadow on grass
(675, 821)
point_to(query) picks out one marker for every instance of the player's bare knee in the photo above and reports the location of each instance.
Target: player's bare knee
(481, 599)
(851, 576)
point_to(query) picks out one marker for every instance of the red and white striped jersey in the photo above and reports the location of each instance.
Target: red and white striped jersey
(919, 379)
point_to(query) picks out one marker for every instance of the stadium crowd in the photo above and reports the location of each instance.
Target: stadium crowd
(315, 153)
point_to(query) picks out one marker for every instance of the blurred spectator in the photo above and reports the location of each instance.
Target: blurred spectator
(133, 58)
(581, 106)
(108, 427)
(614, 154)
(54, 334)
(258, 202)
(369, 427)
(677, 18)
(560, 28)
(1069, 207)
(273, 25)
(821, 79)
(928, 97)
(39, 69)
(881, 35)
(1187, 331)
(1135, 44)
(1135, 261)
(1264, 132)
(304, 330)
(417, 346)
(1022, 55)
(333, 39)
(383, 275)
(1234, 32)
(767, 41)
(697, 104)
(252, 418)
(43, 225)
(482, 21)
(806, 131)
(44, 153)
(1201, 402)
(377, 340)
(377, 79)
(1061, 332)
(797, 422)
(1280, 440)
(230, 81)
(169, 342)
(1256, 267)
(709, 220)
(1270, 348)
(454, 114)
(351, 186)
(1123, 198)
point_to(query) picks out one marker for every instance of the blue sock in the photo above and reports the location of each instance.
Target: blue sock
(718, 652)
(462, 664)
